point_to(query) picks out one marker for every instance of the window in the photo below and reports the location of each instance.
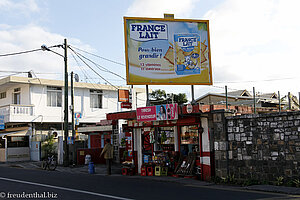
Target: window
(2, 95)
(96, 98)
(17, 96)
(54, 96)
(18, 141)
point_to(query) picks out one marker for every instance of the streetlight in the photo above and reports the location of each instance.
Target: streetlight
(66, 128)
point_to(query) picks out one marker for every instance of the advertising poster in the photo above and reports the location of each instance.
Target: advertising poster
(158, 113)
(167, 51)
(123, 95)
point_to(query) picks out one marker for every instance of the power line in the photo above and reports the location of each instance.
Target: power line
(92, 69)
(99, 56)
(83, 71)
(97, 65)
(21, 52)
(277, 79)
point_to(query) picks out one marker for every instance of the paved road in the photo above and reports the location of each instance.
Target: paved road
(58, 185)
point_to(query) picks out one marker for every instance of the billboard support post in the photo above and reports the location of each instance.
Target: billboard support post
(193, 95)
(147, 96)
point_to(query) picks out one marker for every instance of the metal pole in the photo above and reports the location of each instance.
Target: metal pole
(254, 101)
(66, 110)
(193, 95)
(289, 98)
(298, 100)
(147, 94)
(279, 100)
(226, 94)
(73, 123)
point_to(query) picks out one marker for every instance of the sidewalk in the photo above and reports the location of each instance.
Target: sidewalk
(100, 169)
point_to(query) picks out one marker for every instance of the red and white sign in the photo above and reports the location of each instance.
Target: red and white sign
(157, 113)
(126, 105)
(189, 108)
(146, 113)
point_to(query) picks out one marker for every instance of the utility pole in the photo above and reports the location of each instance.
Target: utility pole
(254, 100)
(73, 123)
(66, 110)
(279, 101)
(290, 100)
(226, 97)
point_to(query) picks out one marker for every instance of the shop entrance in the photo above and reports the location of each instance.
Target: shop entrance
(189, 139)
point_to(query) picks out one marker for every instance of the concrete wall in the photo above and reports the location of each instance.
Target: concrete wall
(257, 146)
(2, 155)
(18, 154)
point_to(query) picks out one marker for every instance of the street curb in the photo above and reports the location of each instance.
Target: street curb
(273, 188)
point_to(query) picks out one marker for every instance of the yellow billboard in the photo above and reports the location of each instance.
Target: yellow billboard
(167, 51)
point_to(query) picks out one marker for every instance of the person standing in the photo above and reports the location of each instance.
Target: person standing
(108, 155)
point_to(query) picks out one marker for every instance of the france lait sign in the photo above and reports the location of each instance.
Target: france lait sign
(167, 51)
(157, 113)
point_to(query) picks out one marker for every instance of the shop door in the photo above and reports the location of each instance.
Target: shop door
(146, 141)
(95, 141)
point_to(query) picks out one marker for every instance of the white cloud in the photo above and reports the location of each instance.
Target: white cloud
(256, 40)
(32, 37)
(19, 6)
(157, 8)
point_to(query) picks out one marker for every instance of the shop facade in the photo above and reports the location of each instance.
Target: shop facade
(97, 136)
(169, 141)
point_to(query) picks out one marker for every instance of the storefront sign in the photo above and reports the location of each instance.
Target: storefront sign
(126, 105)
(123, 95)
(2, 126)
(189, 108)
(157, 113)
(95, 128)
(78, 115)
(70, 140)
(167, 51)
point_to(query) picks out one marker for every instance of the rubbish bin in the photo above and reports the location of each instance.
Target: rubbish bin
(87, 159)
(91, 168)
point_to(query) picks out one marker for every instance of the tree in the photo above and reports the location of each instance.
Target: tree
(158, 97)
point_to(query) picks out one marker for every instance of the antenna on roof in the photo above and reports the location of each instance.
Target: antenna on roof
(76, 78)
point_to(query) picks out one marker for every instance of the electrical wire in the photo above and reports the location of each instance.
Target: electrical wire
(21, 52)
(276, 79)
(84, 72)
(98, 66)
(93, 69)
(99, 56)
(95, 86)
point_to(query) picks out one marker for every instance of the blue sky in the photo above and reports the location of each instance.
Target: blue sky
(254, 43)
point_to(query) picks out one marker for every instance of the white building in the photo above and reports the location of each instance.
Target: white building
(33, 107)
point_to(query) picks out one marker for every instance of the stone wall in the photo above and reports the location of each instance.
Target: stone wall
(257, 146)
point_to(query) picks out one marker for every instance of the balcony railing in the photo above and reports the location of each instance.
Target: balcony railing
(12, 111)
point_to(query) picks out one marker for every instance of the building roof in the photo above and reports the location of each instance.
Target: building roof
(222, 95)
(239, 93)
(38, 81)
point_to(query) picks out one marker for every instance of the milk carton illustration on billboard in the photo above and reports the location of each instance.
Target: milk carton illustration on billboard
(187, 54)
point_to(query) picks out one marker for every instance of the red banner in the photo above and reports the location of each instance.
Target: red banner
(157, 113)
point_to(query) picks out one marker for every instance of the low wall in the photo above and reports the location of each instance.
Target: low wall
(18, 154)
(258, 146)
(2, 155)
